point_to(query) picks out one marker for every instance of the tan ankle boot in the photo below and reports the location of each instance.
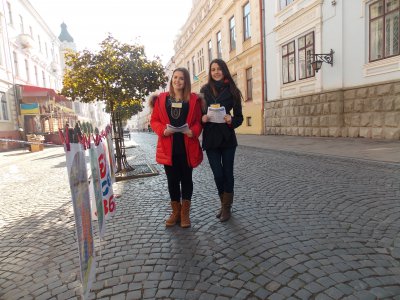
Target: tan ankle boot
(175, 216)
(185, 211)
(227, 200)
(218, 215)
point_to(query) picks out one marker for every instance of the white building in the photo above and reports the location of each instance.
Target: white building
(29, 58)
(356, 96)
(31, 72)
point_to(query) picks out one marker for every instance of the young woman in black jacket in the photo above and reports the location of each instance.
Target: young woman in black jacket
(219, 139)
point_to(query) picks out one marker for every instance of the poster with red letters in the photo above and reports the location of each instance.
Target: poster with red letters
(106, 182)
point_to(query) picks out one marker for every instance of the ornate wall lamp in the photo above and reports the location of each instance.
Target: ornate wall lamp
(318, 59)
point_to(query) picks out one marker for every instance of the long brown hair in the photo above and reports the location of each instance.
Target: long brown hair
(237, 95)
(187, 89)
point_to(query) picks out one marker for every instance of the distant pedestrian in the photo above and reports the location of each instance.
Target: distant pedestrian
(179, 152)
(219, 139)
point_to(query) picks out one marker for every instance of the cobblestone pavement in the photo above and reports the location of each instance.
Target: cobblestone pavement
(304, 226)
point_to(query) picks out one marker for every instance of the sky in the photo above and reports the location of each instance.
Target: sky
(151, 23)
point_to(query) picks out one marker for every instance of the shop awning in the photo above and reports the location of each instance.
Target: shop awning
(30, 92)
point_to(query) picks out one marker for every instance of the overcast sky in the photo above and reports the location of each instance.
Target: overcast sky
(152, 23)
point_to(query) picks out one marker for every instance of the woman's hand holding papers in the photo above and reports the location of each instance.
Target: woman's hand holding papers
(228, 119)
(189, 133)
(205, 119)
(168, 132)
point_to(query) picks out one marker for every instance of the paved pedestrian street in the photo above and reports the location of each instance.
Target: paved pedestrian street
(304, 226)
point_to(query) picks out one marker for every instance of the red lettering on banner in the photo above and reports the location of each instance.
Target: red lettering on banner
(109, 205)
(105, 202)
(102, 166)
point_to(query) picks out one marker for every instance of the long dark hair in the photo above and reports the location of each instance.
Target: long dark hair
(237, 95)
(187, 88)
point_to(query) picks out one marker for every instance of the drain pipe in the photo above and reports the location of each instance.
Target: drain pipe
(263, 60)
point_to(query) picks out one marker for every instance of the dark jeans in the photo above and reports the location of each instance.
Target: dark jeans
(221, 163)
(179, 177)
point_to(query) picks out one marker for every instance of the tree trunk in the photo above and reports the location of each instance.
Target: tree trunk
(120, 156)
(116, 141)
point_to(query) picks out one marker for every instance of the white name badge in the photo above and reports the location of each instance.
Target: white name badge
(176, 105)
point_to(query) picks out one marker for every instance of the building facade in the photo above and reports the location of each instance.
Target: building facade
(30, 73)
(230, 30)
(356, 93)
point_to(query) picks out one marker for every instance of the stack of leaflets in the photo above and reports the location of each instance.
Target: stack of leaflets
(183, 128)
(216, 115)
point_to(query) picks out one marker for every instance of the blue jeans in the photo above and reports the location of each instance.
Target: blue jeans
(221, 163)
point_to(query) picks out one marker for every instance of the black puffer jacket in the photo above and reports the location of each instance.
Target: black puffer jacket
(217, 135)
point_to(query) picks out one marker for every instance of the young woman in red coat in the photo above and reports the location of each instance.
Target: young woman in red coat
(179, 152)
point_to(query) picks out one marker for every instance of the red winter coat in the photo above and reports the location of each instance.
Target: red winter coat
(159, 121)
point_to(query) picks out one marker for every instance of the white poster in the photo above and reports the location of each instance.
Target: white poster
(95, 188)
(78, 180)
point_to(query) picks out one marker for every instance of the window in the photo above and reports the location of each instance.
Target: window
(384, 29)
(1, 47)
(232, 33)
(4, 106)
(219, 45)
(39, 43)
(209, 51)
(249, 83)
(36, 76)
(21, 23)
(31, 31)
(188, 66)
(305, 55)
(44, 79)
(248, 121)
(288, 63)
(77, 107)
(16, 66)
(200, 60)
(246, 21)
(27, 70)
(10, 13)
(193, 67)
(234, 77)
(285, 3)
(45, 48)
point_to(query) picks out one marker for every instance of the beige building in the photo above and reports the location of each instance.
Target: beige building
(227, 29)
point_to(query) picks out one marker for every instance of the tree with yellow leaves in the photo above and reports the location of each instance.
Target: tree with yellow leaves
(118, 74)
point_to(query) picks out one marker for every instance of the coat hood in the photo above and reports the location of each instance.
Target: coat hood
(152, 99)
